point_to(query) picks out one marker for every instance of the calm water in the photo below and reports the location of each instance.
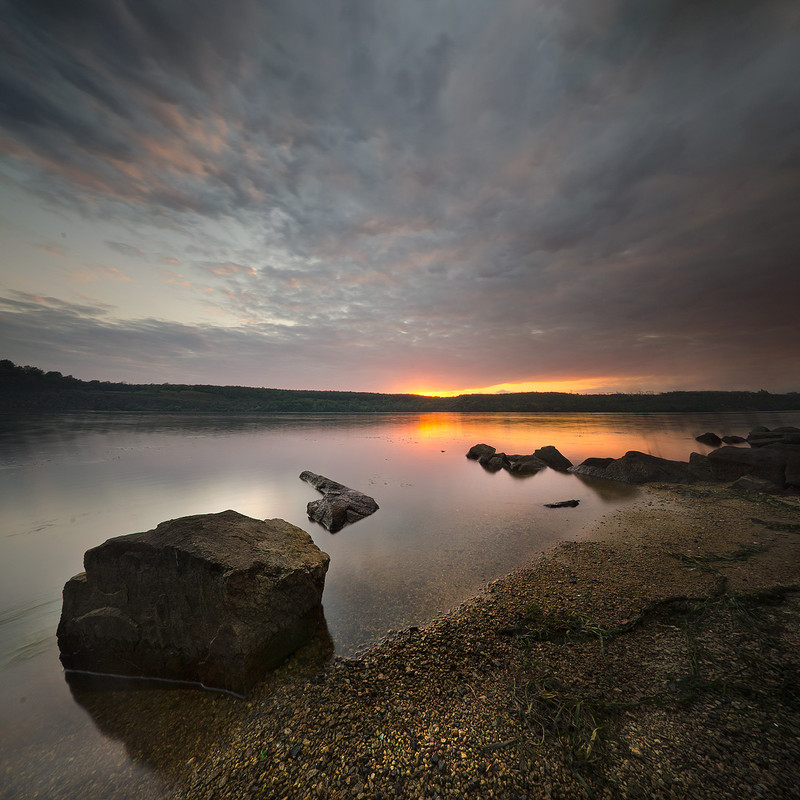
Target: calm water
(444, 529)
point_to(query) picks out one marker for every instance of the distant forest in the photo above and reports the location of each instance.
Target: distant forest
(31, 389)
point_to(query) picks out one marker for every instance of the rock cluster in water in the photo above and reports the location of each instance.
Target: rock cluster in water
(488, 457)
(212, 598)
(770, 463)
(339, 505)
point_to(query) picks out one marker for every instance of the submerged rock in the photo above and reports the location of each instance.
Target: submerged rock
(636, 467)
(212, 598)
(339, 505)
(563, 504)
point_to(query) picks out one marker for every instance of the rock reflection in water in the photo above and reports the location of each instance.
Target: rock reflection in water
(165, 726)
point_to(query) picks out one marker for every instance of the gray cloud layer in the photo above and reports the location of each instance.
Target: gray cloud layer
(469, 192)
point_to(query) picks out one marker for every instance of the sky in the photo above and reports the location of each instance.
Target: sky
(436, 196)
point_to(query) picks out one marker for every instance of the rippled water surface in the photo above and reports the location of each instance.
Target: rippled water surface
(444, 529)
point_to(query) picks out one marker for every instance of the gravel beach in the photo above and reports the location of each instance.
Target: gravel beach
(658, 656)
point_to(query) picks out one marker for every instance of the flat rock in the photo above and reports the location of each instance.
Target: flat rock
(339, 505)
(709, 438)
(762, 437)
(213, 598)
(636, 467)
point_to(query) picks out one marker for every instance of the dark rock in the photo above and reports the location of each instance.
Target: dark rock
(752, 483)
(339, 505)
(700, 467)
(479, 450)
(792, 472)
(214, 598)
(600, 463)
(525, 465)
(709, 438)
(734, 439)
(768, 462)
(563, 504)
(761, 437)
(553, 458)
(495, 462)
(636, 467)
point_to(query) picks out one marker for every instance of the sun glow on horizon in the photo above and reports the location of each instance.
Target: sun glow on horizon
(578, 386)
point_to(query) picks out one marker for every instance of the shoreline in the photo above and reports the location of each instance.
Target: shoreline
(656, 656)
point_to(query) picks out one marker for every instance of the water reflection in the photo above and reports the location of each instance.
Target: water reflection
(445, 527)
(157, 722)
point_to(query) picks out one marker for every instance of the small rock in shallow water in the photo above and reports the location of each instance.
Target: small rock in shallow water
(339, 505)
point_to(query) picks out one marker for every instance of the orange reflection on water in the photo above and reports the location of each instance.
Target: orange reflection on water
(577, 436)
(434, 426)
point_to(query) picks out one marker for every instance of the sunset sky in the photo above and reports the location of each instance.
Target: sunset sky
(403, 195)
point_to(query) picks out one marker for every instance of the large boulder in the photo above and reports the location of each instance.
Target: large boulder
(792, 472)
(213, 598)
(636, 467)
(770, 462)
(339, 505)
(700, 467)
(553, 458)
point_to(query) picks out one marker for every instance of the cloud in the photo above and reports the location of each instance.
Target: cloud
(126, 249)
(431, 182)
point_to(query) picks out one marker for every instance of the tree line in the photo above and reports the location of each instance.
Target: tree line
(27, 388)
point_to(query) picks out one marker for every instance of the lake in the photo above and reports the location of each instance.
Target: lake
(445, 528)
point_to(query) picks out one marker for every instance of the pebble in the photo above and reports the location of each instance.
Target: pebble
(430, 712)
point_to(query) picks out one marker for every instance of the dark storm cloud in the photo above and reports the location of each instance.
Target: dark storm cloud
(480, 191)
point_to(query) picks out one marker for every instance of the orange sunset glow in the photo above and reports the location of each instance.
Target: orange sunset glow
(575, 386)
